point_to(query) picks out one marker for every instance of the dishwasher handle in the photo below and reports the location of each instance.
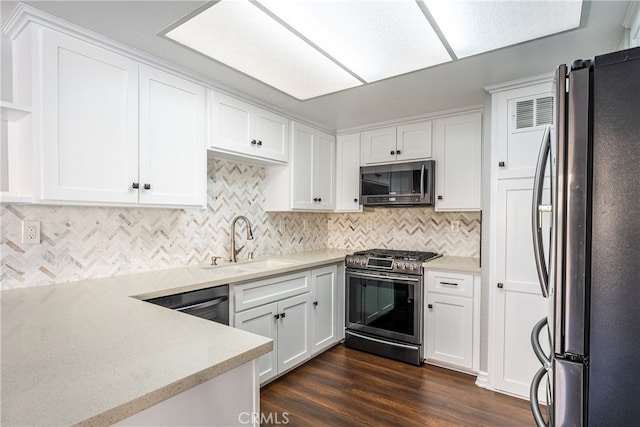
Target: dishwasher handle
(205, 304)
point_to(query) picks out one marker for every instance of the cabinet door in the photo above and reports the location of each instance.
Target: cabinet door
(519, 304)
(378, 146)
(293, 331)
(324, 308)
(173, 160)
(302, 164)
(272, 134)
(449, 327)
(414, 141)
(262, 321)
(348, 172)
(458, 162)
(89, 123)
(324, 171)
(231, 125)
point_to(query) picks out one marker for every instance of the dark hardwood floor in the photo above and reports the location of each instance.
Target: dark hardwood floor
(345, 387)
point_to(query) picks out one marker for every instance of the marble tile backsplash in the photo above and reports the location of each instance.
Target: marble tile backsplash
(91, 242)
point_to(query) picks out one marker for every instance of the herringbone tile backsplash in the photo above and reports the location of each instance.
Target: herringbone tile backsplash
(91, 242)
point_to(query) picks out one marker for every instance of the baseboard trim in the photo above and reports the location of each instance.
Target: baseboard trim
(483, 379)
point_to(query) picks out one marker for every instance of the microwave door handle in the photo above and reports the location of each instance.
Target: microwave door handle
(536, 212)
(422, 182)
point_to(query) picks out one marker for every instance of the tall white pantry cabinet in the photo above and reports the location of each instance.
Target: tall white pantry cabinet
(108, 129)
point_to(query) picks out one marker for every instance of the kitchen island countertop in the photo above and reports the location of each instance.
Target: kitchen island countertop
(92, 353)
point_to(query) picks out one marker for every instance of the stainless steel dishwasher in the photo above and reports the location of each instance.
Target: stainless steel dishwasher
(210, 303)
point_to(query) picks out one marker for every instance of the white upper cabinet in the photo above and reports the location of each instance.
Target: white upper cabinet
(308, 182)
(521, 120)
(173, 163)
(458, 162)
(108, 130)
(89, 115)
(348, 172)
(411, 141)
(244, 132)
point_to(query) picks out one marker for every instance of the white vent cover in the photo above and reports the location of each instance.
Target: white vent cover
(534, 112)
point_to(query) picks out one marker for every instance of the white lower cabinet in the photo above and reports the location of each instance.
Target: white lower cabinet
(452, 320)
(326, 308)
(299, 311)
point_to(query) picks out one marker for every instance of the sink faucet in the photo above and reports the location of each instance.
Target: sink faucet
(233, 253)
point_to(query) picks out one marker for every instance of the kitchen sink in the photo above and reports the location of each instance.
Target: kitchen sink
(265, 264)
(249, 266)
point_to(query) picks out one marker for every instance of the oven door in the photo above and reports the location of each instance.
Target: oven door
(385, 305)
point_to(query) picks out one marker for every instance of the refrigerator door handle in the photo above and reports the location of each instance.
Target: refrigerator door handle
(533, 397)
(537, 209)
(535, 343)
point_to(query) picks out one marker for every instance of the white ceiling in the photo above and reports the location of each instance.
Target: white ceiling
(445, 86)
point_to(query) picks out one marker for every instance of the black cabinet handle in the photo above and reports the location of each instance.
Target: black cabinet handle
(276, 316)
(260, 143)
(253, 142)
(430, 306)
(282, 315)
(398, 152)
(501, 164)
(135, 185)
(147, 186)
(500, 285)
(439, 197)
(315, 303)
(393, 153)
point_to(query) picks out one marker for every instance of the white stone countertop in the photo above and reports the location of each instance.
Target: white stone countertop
(88, 353)
(455, 263)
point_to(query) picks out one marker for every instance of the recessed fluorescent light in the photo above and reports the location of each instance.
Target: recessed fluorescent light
(244, 37)
(473, 27)
(374, 39)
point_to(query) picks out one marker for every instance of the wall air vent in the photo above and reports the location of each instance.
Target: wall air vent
(534, 112)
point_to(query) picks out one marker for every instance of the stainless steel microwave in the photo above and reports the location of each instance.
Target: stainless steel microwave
(398, 184)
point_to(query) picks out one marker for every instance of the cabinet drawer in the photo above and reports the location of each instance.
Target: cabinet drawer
(253, 294)
(446, 282)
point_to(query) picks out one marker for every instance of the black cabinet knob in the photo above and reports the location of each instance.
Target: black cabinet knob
(319, 199)
(135, 185)
(282, 315)
(315, 199)
(147, 186)
(276, 316)
(315, 303)
(259, 142)
(501, 164)
(393, 153)
(500, 285)
(355, 200)
(430, 306)
(253, 142)
(439, 197)
(398, 152)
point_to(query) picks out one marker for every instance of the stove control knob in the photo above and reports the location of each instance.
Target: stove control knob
(404, 265)
(414, 267)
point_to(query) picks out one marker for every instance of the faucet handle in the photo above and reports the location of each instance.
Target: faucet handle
(214, 260)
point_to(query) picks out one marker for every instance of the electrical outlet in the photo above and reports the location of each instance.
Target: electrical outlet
(455, 225)
(31, 232)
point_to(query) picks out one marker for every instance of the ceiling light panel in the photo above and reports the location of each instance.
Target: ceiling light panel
(473, 27)
(373, 39)
(243, 37)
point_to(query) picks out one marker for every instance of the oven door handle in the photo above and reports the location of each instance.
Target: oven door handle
(378, 276)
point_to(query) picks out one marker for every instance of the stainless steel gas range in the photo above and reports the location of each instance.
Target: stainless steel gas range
(384, 307)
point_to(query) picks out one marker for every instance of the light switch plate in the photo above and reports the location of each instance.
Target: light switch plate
(31, 232)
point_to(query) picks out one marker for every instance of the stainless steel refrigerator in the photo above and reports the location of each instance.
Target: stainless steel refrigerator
(593, 276)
